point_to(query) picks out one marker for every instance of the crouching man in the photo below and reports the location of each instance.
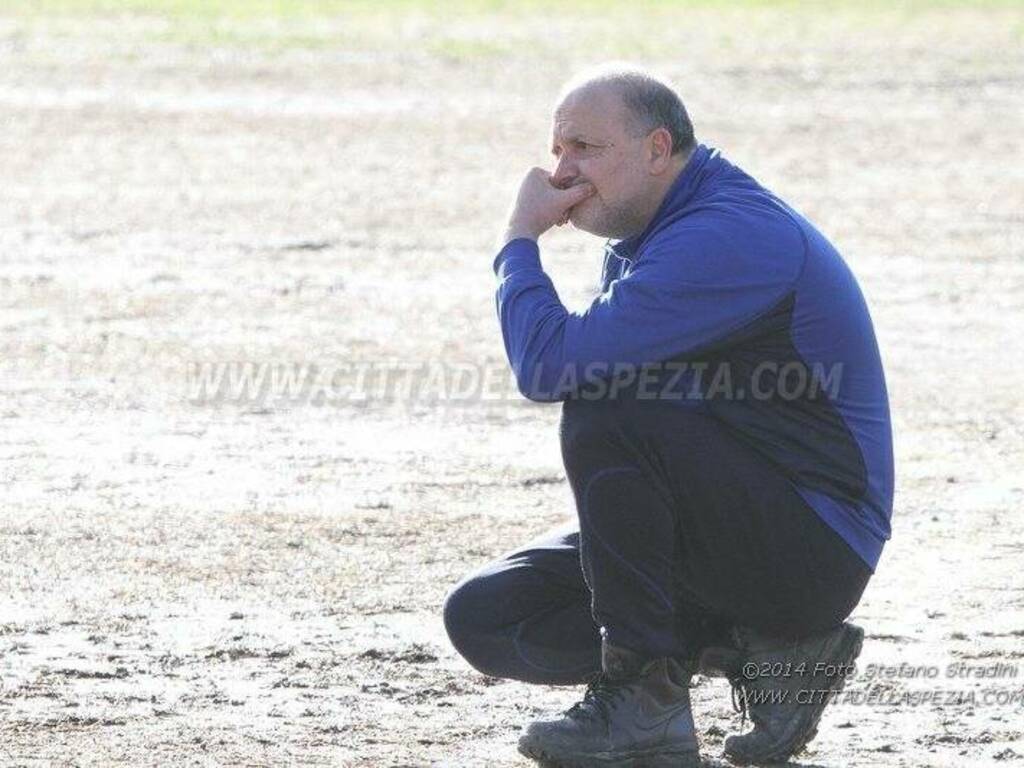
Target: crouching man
(725, 432)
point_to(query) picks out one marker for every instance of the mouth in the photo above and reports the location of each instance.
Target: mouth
(570, 184)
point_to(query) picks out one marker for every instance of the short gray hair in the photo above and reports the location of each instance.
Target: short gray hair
(650, 101)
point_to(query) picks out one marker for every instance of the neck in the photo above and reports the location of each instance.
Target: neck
(666, 179)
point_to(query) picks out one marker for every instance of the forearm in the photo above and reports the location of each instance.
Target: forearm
(532, 318)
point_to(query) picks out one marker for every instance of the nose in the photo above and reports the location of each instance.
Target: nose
(565, 172)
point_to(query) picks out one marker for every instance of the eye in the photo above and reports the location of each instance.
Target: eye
(574, 146)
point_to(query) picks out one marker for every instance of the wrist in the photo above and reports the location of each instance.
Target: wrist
(516, 254)
(516, 230)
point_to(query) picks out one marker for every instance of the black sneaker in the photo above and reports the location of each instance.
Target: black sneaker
(784, 687)
(634, 714)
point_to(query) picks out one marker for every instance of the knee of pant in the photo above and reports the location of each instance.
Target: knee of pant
(458, 614)
(468, 633)
(586, 424)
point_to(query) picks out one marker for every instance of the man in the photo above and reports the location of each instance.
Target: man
(725, 432)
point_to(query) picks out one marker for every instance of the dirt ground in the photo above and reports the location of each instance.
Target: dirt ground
(190, 578)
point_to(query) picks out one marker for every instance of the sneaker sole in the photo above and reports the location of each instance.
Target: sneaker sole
(849, 649)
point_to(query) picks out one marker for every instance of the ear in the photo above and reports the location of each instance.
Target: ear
(660, 149)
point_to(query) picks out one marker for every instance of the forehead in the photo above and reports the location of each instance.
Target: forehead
(590, 111)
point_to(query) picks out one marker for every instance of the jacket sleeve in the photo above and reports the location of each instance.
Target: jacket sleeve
(681, 295)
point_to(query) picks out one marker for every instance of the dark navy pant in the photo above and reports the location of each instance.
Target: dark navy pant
(683, 531)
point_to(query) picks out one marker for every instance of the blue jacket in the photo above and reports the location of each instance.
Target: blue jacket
(727, 277)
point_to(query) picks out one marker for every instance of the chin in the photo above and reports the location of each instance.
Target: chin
(586, 220)
(597, 220)
(589, 226)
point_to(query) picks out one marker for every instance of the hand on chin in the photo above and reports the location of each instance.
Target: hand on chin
(582, 214)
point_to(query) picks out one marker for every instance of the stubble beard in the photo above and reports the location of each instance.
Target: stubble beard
(593, 215)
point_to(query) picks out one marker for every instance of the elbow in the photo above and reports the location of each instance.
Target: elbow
(528, 388)
(537, 395)
(533, 385)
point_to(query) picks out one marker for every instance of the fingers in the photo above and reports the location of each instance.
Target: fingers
(579, 193)
(573, 196)
(542, 204)
(537, 174)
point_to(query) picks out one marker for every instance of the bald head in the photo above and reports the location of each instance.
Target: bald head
(645, 101)
(625, 133)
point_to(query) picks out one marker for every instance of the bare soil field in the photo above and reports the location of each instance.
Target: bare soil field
(192, 574)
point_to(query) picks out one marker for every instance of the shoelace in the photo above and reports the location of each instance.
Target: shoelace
(727, 661)
(601, 693)
(740, 695)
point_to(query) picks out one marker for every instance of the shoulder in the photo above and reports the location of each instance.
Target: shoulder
(721, 239)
